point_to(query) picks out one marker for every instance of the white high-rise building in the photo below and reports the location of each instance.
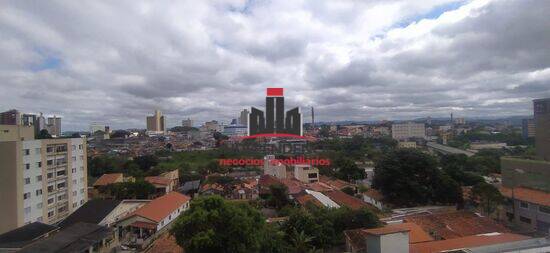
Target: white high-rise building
(42, 180)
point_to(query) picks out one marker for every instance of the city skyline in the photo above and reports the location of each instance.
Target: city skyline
(118, 62)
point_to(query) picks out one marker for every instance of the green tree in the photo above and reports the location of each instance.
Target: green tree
(324, 131)
(409, 177)
(130, 190)
(489, 197)
(215, 225)
(43, 134)
(278, 197)
(145, 162)
(346, 169)
(349, 191)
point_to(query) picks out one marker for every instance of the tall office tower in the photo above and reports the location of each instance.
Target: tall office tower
(542, 126)
(243, 118)
(156, 123)
(54, 126)
(408, 130)
(527, 128)
(11, 117)
(42, 180)
(275, 112)
(187, 122)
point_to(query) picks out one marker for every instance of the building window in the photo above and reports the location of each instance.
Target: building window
(81, 168)
(61, 185)
(61, 173)
(27, 166)
(27, 180)
(544, 209)
(82, 190)
(39, 219)
(50, 175)
(525, 219)
(39, 192)
(81, 202)
(50, 200)
(74, 193)
(74, 205)
(26, 195)
(50, 188)
(73, 147)
(74, 158)
(39, 164)
(74, 181)
(524, 205)
(39, 205)
(80, 146)
(81, 157)
(39, 178)
(73, 170)
(51, 213)
(27, 151)
(49, 162)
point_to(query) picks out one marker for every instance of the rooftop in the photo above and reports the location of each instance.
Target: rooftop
(344, 199)
(527, 195)
(159, 208)
(107, 179)
(158, 180)
(75, 238)
(416, 234)
(93, 211)
(455, 224)
(24, 235)
(464, 242)
(165, 244)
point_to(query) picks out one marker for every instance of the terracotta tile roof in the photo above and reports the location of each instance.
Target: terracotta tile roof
(303, 199)
(294, 186)
(319, 186)
(416, 234)
(336, 183)
(107, 179)
(268, 180)
(159, 208)
(527, 195)
(214, 187)
(344, 199)
(158, 180)
(374, 194)
(455, 224)
(464, 242)
(165, 244)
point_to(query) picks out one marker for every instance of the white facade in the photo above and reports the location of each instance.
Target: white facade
(78, 175)
(277, 170)
(306, 173)
(172, 216)
(32, 181)
(408, 130)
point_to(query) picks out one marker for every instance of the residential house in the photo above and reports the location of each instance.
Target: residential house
(356, 239)
(528, 209)
(143, 225)
(162, 185)
(107, 179)
(306, 173)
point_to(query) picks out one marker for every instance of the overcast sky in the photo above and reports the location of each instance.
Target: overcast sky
(117, 61)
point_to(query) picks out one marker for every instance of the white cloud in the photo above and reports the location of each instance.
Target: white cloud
(116, 62)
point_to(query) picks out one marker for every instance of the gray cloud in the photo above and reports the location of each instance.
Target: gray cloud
(116, 62)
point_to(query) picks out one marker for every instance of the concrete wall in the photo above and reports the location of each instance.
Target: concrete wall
(10, 186)
(529, 173)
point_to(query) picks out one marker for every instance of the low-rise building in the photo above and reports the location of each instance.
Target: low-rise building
(374, 198)
(403, 131)
(306, 173)
(528, 209)
(143, 225)
(406, 144)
